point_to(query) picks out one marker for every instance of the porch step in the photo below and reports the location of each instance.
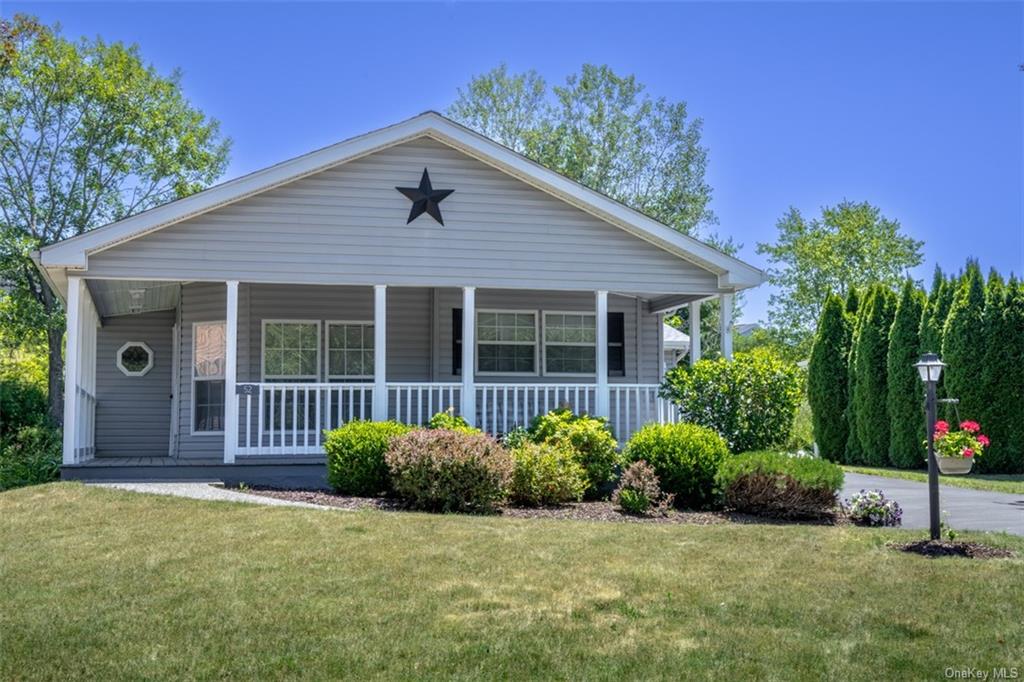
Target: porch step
(289, 474)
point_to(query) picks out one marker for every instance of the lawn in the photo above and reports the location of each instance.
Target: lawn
(104, 584)
(1000, 483)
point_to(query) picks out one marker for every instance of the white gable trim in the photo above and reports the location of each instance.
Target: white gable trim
(732, 272)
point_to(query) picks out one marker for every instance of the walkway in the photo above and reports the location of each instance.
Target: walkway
(206, 491)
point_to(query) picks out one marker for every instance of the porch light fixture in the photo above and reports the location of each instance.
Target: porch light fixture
(929, 367)
(135, 299)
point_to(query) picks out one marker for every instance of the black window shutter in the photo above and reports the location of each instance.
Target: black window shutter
(457, 341)
(617, 344)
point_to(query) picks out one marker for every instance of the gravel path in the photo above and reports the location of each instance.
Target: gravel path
(206, 491)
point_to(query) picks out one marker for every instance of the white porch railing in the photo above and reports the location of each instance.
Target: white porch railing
(290, 418)
(85, 426)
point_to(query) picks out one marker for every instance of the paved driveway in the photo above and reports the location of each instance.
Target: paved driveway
(964, 509)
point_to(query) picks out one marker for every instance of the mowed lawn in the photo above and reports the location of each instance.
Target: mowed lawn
(103, 585)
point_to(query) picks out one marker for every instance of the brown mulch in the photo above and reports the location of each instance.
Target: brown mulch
(938, 548)
(602, 510)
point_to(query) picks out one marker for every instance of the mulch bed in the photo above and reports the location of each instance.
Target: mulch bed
(938, 548)
(575, 511)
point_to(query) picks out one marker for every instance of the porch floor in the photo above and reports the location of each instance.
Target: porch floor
(101, 461)
(294, 471)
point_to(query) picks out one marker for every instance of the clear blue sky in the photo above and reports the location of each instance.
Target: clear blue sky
(915, 107)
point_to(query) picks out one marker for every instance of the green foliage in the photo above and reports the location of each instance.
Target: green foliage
(21, 404)
(751, 401)
(776, 484)
(546, 474)
(827, 379)
(639, 492)
(859, 311)
(355, 456)
(590, 438)
(29, 455)
(963, 345)
(1002, 378)
(449, 420)
(449, 471)
(850, 246)
(903, 387)
(802, 435)
(868, 396)
(685, 458)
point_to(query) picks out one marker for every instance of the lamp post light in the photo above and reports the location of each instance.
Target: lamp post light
(930, 369)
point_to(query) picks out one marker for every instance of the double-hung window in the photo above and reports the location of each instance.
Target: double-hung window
(349, 351)
(291, 350)
(208, 361)
(570, 344)
(506, 342)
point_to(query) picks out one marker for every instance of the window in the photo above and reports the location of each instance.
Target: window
(570, 343)
(506, 342)
(291, 350)
(456, 341)
(208, 355)
(616, 344)
(135, 359)
(349, 350)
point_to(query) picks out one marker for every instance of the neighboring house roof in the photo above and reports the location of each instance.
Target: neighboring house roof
(73, 253)
(675, 339)
(747, 328)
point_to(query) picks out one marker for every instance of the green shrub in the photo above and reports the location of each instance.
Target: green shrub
(355, 456)
(906, 427)
(590, 438)
(776, 484)
(449, 420)
(802, 435)
(868, 397)
(22, 403)
(963, 346)
(449, 471)
(639, 491)
(29, 456)
(546, 474)
(684, 457)
(827, 380)
(750, 401)
(515, 437)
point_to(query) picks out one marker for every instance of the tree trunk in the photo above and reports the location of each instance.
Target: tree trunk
(55, 377)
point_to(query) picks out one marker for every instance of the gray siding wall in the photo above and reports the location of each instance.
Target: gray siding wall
(347, 225)
(133, 414)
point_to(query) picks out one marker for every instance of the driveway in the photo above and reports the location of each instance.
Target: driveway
(963, 509)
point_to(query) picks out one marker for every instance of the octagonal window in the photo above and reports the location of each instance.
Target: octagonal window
(135, 359)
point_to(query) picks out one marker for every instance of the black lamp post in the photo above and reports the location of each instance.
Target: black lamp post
(930, 369)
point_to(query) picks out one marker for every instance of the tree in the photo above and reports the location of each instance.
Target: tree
(869, 397)
(855, 311)
(851, 245)
(1011, 393)
(963, 345)
(89, 134)
(903, 389)
(1000, 379)
(827, 379)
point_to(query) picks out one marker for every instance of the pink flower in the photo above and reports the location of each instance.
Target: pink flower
(970, 426)
(941, 427)
(983, 439)
(968, 452)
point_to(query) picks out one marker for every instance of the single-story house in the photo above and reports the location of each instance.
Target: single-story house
(676, 345)
(414, 269)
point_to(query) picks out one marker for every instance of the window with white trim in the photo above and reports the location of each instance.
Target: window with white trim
(135, 359)
(349, 350)
(506, 342)
(208, 360)
(570, 343)
(291, 350)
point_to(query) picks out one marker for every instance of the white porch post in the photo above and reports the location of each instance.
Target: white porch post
(725, 324)
(231, 374)
(603, 397)
(71, 363)
(380, 352)
(468, 407)
(694, 332)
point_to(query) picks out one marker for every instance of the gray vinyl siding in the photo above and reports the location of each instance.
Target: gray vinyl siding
(347, 225)
(201, 303)
(133, 414)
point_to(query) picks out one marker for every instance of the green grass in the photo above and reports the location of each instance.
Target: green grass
(105, 585)
(1000, 483)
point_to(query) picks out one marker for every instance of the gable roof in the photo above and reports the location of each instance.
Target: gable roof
(732, 272)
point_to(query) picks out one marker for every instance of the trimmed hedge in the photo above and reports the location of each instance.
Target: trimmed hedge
(546, 474)
(685, 458)
(355, 456)
(775, 484)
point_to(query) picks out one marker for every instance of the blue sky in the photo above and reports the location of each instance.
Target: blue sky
(915, 107)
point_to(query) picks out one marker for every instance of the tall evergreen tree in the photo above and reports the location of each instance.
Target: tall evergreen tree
(869, 396)
(997, 366)
(827, 377)
(854, 310)
(930, 329)
(1011, 391)
(906, 422)
(963, 345)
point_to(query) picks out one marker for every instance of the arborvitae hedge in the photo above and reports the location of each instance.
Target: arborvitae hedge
(1012, 388)
(869, 392)
(930, 329)
(963, 345)
(827, 377)
(997, 370)
(855, 310)
(904, 388)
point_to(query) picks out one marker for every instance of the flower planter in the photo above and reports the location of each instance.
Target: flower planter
(955, 465)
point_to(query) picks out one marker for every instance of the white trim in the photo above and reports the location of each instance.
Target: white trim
(74, 308)
(694, 332)
(536, 341)
(327, 350)
(467, 396)
(603, 397)
(725, 325)
(545, 343)
(380, 352)
(175, 384)
(193, 379)
(230, 372)
(127, 372)
(295, 377)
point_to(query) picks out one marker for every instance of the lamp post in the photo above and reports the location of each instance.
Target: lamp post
(930, 369)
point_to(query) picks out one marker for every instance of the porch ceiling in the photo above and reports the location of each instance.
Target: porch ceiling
(129, 297)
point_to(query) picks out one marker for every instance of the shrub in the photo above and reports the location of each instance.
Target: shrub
(775, 484)
(639, 491)
(871, 508)
(355, 456)
(827, 378)
(868, 397)
(802, 436)
(906, 428)
(445, 470)
(22, 403)
(751, 401)
(515, 437)
(684, 457)
(590, 438)
(963, 345)
(546, 474)
(449, 420)
(29, 456)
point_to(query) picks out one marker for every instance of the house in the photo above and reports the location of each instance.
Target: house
(676, 345)
(414, 269)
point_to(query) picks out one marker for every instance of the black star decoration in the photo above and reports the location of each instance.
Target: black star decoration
(425, 199)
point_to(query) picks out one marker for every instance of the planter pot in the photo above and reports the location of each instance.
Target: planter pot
(955, 465)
